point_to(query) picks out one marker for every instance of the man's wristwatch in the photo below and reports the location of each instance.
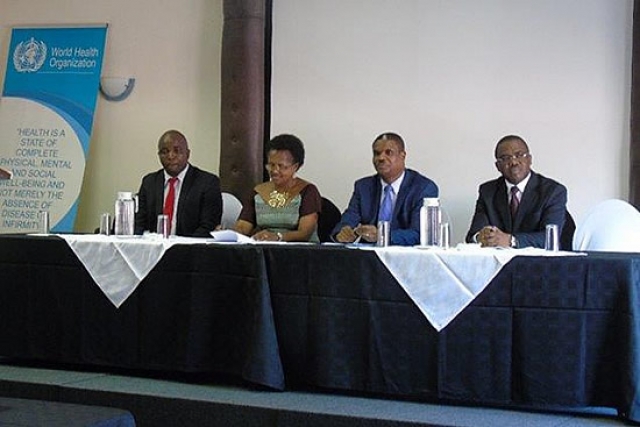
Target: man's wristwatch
(279, 234)
(514, 241)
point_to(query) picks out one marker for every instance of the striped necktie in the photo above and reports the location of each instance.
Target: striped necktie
(515, 201)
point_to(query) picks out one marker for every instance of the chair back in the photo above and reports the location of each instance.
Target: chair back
(231, 208)
(568, 230)
(327, 219)
(612, 225)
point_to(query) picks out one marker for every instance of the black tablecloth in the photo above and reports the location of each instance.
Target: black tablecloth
(546, 332)
(203, 308)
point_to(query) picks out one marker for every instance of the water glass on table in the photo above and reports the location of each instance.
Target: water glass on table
(105, 224)
(163, 226)
(44, 222)
(552, 242)
(383, 233)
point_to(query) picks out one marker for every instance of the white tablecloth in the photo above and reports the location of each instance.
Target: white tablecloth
(119, 263)
(443, 282)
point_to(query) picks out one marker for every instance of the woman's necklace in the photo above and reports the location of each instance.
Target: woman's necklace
(278, 199)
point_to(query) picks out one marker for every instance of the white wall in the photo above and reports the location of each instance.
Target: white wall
(452, 77)
(172, 48)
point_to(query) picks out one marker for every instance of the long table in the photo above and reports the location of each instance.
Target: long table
(202, 309)
(546, 331)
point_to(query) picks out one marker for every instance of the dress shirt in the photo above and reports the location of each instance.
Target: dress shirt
(521, 186)
(178, 186)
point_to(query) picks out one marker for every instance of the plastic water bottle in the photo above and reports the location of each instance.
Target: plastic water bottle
(430, 219)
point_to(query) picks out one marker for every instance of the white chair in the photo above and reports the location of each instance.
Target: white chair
(231, 208)
(612, 226)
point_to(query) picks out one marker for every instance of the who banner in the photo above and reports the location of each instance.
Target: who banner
(46, 114)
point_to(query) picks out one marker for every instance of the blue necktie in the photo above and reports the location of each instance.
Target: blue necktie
(386, 210)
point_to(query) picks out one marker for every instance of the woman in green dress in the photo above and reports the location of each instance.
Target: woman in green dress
(286, 207)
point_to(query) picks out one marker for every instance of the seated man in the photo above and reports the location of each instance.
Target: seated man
(394, 194)
(513, 210)
(189, 196)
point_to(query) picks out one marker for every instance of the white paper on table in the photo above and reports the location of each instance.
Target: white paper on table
(230, 236)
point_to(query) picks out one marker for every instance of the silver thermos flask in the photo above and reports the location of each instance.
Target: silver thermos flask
(125, 210)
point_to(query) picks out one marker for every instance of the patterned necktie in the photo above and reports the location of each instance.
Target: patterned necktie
(169, 202)
(515, 201)
(386, 210)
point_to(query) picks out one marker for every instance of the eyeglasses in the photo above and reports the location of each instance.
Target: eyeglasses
(277, 166)
(517, 157)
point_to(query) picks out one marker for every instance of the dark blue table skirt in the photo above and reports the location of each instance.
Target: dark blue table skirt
(545, 332)
(202, 309)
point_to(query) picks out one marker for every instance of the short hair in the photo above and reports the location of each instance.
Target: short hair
(392, 136)
(291, 143)
(509, 138)
(175, 134)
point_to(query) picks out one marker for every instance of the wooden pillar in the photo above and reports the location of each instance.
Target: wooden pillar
(243, 96)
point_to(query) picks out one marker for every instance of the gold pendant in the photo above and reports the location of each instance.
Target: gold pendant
(277, 199)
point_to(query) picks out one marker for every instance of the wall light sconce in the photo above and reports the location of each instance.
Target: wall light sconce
(116, 88)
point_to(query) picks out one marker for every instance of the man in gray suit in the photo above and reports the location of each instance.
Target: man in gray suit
(513, 210)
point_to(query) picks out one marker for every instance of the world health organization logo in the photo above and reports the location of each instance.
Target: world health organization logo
(29, 56)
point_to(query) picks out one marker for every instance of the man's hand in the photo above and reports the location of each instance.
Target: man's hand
(346, 235)
(369, 233)
(492, 236)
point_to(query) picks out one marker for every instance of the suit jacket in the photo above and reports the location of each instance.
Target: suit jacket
(405, 222)
(543, 202)
(199, 205)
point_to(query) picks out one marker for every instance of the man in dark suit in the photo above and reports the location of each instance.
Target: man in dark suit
(406, 188)
(513, 210)
(197, 202)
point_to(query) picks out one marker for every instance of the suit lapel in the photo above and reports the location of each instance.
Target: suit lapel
(501, 203)
(185, 186)
(376, 191)
(159, 192)
(407, 181)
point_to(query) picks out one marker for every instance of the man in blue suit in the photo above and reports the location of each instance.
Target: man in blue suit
(513, 210)
(406, 190)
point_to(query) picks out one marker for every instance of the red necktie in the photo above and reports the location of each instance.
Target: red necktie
(170, 200)
(515, 202)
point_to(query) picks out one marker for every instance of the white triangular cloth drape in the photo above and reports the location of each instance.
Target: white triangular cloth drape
(119, 263)
(443, 282)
